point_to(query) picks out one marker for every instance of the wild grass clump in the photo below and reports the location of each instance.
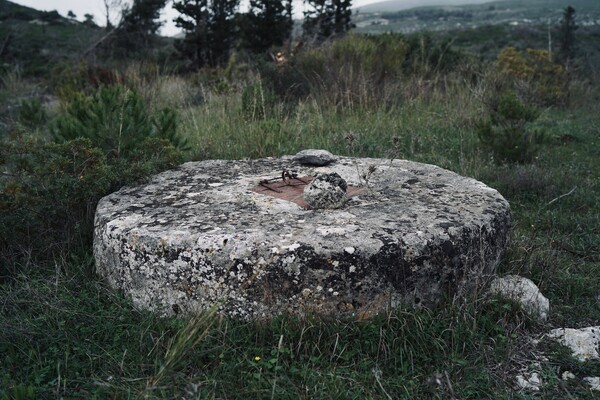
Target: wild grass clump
(257, 102)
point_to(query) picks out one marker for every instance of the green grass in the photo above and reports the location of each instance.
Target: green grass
(64, 333)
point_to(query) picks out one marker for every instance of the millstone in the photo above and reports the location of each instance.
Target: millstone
(237, 234)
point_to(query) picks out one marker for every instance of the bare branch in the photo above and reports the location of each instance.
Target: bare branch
(561, 196)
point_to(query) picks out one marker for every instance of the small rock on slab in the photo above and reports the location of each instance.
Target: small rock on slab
(314, 157)
(584, 343)
(326, 191)
(524, 292)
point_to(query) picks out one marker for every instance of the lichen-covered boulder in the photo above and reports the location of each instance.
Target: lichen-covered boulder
(235, 233)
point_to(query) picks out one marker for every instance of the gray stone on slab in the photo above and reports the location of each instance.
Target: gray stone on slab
(199, 235)
(314, 157)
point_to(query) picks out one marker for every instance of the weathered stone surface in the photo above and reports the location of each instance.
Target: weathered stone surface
(199, 234)
(524, 292)
(326, 191)
(317, 158)
(584, 343)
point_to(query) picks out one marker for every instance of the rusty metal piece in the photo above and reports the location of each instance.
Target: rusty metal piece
(264, 183)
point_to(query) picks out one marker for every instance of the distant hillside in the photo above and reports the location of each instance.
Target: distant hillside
(399, 5)
(37, 40)
(438, 18)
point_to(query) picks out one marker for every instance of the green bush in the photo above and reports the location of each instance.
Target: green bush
(288, 82)
(32, 113)
(507, 130)
(116, 120)
(535, 75)
(45, 196)
(48, 193)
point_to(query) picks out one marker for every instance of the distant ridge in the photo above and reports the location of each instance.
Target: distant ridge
(399, 5)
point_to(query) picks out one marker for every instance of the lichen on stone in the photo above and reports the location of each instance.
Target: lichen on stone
(199, 235)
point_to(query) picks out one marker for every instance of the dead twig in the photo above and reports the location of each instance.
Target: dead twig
(561, 196)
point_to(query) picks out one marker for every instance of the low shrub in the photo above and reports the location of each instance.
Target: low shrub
(116, 120)
(534, 74)
(32, 113)
(507, 130)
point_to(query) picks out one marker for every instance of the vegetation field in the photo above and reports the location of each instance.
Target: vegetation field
(525, 122)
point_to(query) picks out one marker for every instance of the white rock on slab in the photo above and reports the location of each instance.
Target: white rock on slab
(524, 292)
(326, 191)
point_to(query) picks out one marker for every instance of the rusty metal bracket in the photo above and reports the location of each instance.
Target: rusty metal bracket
(287, 176)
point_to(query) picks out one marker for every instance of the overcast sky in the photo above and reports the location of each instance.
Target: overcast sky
(96, 8)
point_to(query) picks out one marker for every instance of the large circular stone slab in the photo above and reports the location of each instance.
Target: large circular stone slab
(229, 232)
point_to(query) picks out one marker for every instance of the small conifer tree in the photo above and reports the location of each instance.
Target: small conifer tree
(327, 18)
(268, 23)
(567, 30)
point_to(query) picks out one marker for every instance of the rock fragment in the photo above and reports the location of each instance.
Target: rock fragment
(326, 191)
(531, 382)
(584, 343)
(524, 292)
(593, 382)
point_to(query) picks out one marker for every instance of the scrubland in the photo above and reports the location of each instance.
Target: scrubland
(521, 123)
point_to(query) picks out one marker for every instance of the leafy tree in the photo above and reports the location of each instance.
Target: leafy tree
(222, 30)
(140, 23)
(567, 30)
(209, 29)
(268, 23)
(194, 20)
(89, 19)
(71, 15)
(136, 33)
(143, 16)
(327, 18)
